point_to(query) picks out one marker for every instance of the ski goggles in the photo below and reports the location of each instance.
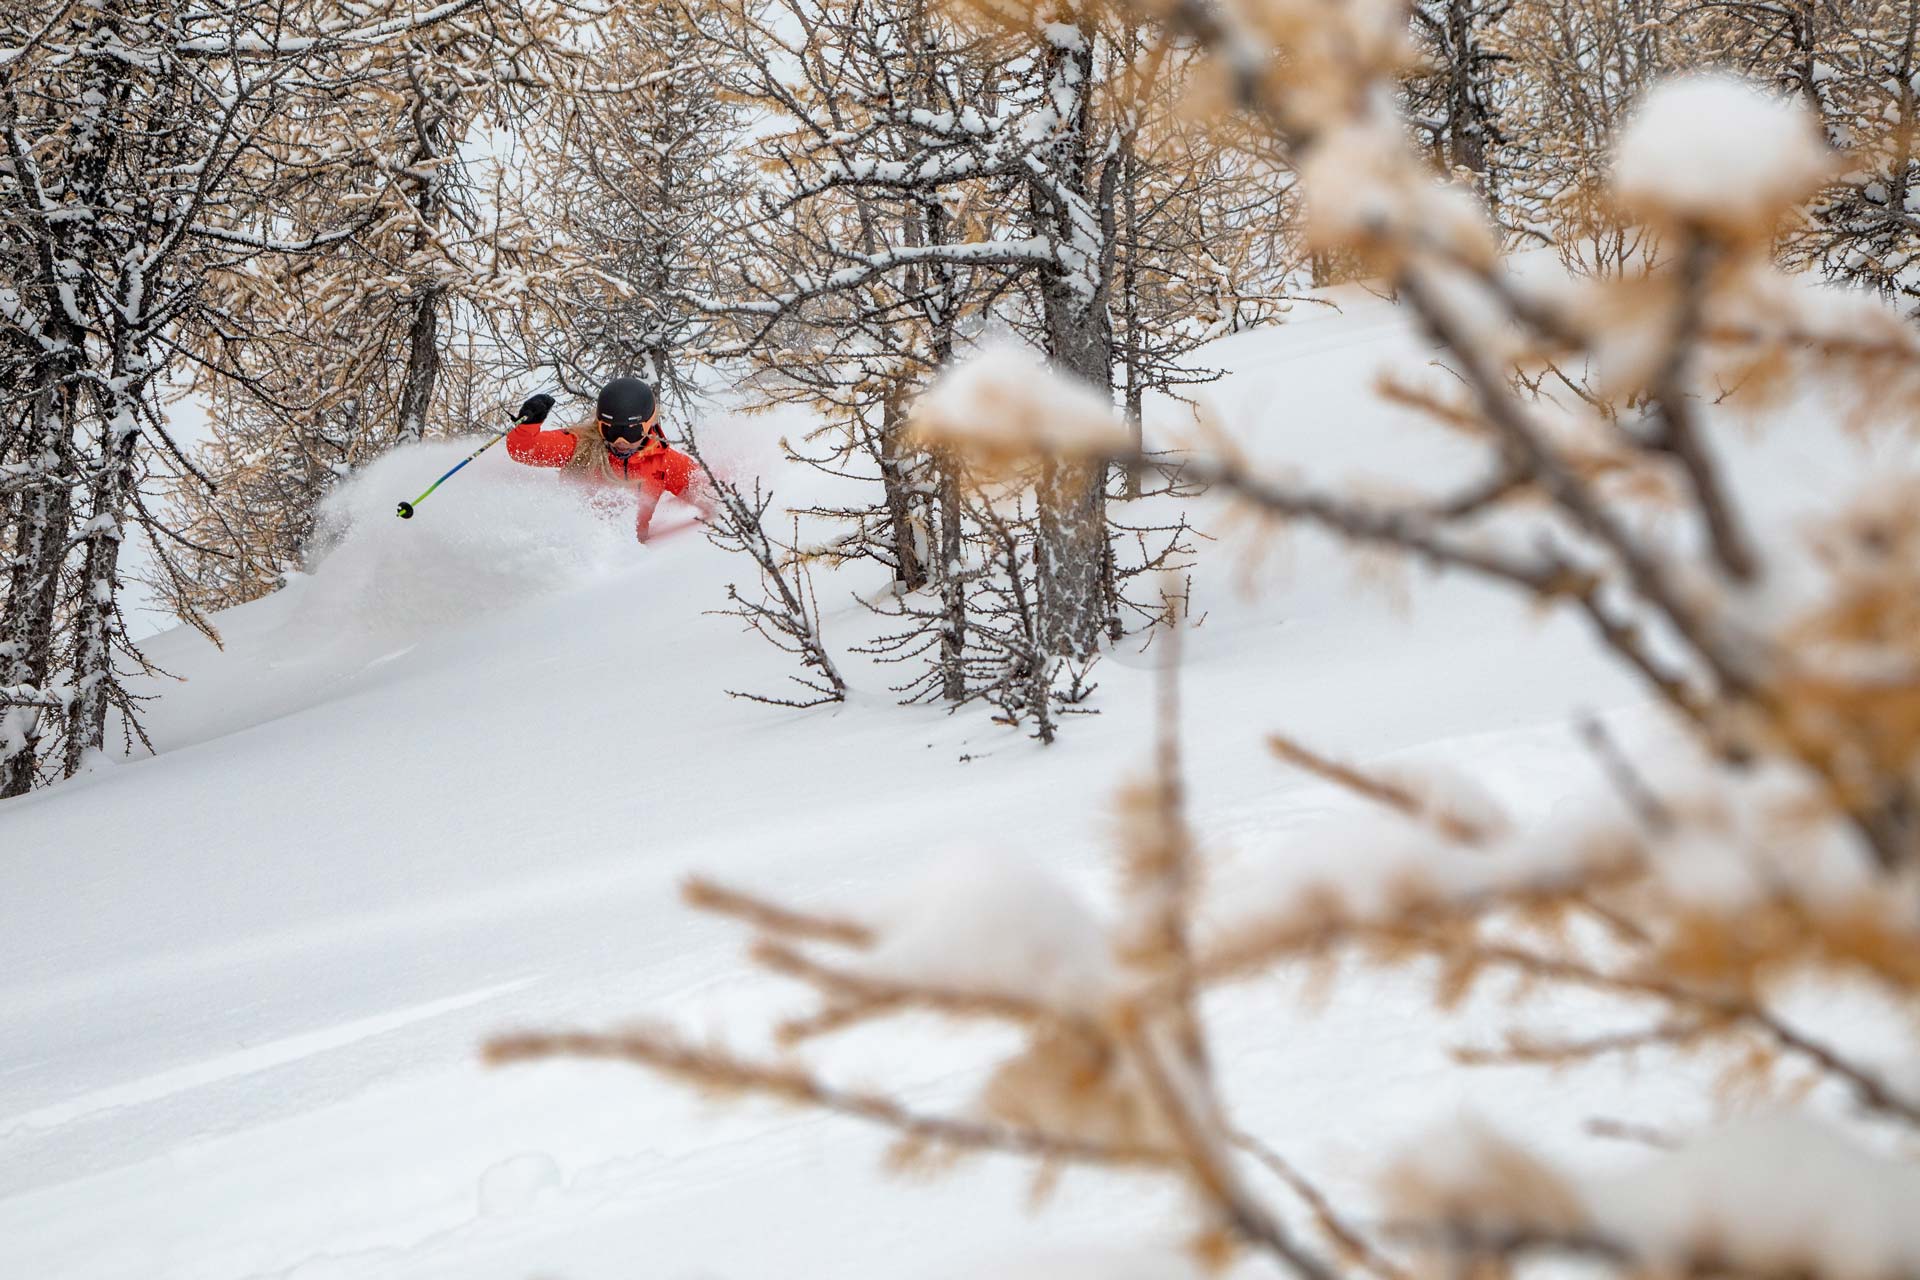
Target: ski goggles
(631, 431)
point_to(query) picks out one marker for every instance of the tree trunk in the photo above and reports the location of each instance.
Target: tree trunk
(1068, 558)
(1466, 131)
(948, 567)
(1131, 353)
(423, 363)
(432, 126)
(953, 585)
(1071, 497)
(33, 588)
(908, 572)
(99, 610)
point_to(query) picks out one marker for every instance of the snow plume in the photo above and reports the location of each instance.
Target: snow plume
(492, 537)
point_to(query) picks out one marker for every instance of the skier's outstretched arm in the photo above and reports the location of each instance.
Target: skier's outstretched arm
(529, 444)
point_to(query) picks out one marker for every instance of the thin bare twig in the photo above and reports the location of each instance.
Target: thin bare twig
(771, 917)
(1196, 1128)
(1391, 795)
(1344, 1235)
(714, 1069)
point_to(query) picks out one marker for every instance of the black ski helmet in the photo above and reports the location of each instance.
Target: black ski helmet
(627, 409)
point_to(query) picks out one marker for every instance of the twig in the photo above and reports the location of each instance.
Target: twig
(709, 895)
(1411, 531)
(875, 994)
(1648, 807)
(1344, 1235)
(718, 1070)
(1201, 1142)
(1629, 1131)
(1379, 790)
(1679, 434)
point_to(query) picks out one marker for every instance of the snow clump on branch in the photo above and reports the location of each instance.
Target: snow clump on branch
(1715, 152)
(989, 923)
(1367, 190)
(1005, 404)
(1768, 1195)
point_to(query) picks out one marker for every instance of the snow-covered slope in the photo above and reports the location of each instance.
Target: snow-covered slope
(446, 786)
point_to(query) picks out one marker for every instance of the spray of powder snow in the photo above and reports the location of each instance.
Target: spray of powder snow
(494, 536)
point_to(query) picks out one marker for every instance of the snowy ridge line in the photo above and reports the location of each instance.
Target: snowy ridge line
(244, 1062)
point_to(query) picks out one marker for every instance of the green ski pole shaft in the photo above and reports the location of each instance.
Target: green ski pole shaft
(406, 508)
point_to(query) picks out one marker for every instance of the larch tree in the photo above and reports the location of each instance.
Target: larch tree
(1576, 71)
(320, 361)
(122, 123)
(635, 177)
(138, 142)
(852, 293)
(1856, 64)
(923, 187)
(1024, 137)
(1455, 98)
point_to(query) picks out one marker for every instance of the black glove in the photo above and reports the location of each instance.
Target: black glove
(534, 410)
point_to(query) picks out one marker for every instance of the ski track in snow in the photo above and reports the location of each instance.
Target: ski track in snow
(447, 786)
(244, 1062)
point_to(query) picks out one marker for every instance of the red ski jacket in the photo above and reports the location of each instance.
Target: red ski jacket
(654, 470)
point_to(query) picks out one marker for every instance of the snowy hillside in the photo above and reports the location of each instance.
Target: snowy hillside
(447, 785)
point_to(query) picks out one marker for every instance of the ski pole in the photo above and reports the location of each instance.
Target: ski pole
(406, 508)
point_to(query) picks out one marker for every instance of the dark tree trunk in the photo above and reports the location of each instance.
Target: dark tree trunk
(423, 363)
(1069, 559)
(1131, 352)
(98, 614)
(941, 290)
(953, 585)
(33, 587)
(1071, 497)
(1466, 129)
(432, 145)
(908, 572)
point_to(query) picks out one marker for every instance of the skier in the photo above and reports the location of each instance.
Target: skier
(622, 446)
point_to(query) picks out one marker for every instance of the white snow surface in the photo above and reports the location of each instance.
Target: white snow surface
(446, 785)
